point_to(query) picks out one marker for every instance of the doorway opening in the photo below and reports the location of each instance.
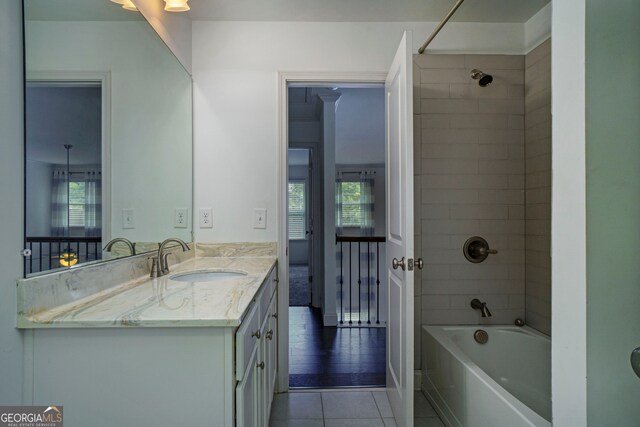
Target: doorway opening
(336, 229)
(63, 173)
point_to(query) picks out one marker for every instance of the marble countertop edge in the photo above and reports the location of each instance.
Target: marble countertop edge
(163, 302)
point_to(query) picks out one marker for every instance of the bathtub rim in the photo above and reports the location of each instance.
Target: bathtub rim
(439, 333)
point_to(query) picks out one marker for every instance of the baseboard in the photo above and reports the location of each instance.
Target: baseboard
(417, 380)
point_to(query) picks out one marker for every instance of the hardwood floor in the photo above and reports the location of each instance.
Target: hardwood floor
(329, 357)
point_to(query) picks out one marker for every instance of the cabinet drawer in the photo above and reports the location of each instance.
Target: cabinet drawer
(247, 337)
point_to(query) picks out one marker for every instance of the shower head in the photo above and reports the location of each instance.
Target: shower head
(484, 79)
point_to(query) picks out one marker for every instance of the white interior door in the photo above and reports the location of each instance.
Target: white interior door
(399, 194)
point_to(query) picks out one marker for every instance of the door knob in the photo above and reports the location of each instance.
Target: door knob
(635, 361)
(395, 263)
(419, 264)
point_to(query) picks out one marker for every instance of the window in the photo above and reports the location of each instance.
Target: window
(77, 196)
(351, 200)
(297, 211)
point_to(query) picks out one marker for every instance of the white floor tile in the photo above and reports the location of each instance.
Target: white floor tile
(382, 400)
(361, 422)
(294, 406)
(349, 404)
(296, 423)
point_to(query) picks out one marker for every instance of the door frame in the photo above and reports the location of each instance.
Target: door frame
(284, 78)
(104, 78)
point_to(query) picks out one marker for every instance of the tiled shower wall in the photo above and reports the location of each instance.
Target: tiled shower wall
(538, 187)
(469, 150)
(472, 172)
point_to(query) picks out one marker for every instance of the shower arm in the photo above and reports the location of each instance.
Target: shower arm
(440, 25)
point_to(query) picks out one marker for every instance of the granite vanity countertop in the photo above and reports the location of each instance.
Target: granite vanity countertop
(163, 302)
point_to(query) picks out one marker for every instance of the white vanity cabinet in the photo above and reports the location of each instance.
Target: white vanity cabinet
(187, 374)
(256, 358)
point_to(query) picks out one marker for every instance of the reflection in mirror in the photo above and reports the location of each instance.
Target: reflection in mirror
(108, 135)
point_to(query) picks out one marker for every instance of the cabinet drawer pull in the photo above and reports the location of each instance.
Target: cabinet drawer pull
(274, 315)
(270, 334)
(256, 334)
(260, 365)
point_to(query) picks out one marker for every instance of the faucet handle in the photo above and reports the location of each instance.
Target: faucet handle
(155, 267)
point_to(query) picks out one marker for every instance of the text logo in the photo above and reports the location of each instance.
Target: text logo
(31, 416)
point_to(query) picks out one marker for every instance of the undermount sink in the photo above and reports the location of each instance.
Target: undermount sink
(207, 275)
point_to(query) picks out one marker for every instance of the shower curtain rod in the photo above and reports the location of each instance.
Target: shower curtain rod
(440, 25)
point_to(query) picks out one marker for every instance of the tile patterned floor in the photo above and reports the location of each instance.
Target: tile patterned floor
(344, 409)
(327, 357)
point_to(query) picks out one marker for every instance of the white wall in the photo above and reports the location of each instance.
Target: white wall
(235, 71)
(39, 185)
(150, 137)
(568, 216)
(360, 122)
(612, 210)
(11, 211)
(173, 28)
(537, 29)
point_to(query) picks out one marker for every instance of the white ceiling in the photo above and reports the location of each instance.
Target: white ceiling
(517, 11)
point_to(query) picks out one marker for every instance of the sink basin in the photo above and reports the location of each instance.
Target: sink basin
(207, 275)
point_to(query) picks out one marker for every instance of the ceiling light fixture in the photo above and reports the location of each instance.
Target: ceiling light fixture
(176, 5)
(126, 4)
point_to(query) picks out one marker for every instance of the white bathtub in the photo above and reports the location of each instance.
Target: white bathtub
(503, 383)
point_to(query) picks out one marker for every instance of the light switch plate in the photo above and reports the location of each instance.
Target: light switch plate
(181, 218)
(128, 218)
(205, 219)
(260, 218)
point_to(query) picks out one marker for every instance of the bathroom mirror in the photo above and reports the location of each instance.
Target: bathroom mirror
(108, 135)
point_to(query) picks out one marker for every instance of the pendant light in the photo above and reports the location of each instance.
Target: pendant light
(176, 5)
(68, 257)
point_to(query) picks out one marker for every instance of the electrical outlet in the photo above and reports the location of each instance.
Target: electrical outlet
(260, 218)
(128, 218)
(206, 218)
(180, 218)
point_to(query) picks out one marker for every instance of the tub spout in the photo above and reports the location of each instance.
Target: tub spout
(476, 304)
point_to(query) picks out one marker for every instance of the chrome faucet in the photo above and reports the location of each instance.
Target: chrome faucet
(132, 246)
(161, 265)
(476, 304)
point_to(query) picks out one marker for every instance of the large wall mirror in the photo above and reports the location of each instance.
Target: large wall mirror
(108, 135)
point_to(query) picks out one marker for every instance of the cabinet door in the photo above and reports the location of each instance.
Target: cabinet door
(263, 363)
(247, 413)
(272, 368)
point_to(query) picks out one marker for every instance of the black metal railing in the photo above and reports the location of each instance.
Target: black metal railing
(46, 252)
(367, 291)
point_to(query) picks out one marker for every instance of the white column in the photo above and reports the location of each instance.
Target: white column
(328, 129)
(568, 216)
